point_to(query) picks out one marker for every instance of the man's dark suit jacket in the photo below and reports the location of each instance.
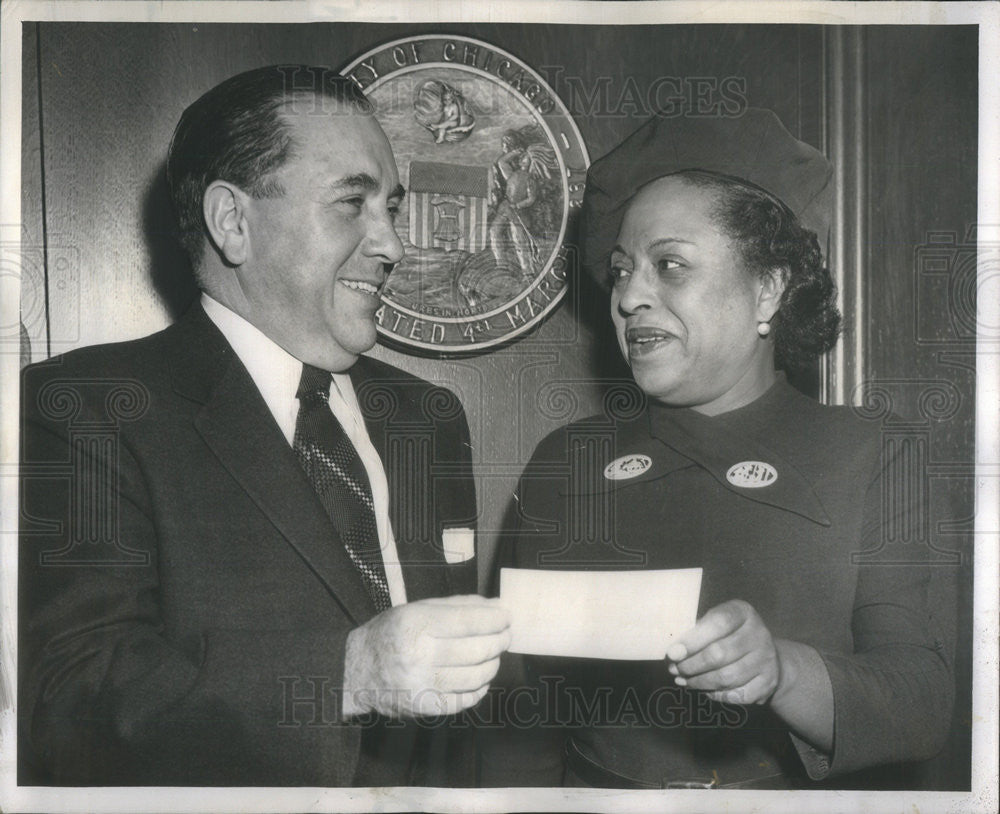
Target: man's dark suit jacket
(184, 598)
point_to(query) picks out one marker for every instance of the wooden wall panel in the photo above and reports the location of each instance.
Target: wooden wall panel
(31, 233)
(921, 292)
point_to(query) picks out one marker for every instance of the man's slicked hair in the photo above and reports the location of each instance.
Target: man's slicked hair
(235, 132)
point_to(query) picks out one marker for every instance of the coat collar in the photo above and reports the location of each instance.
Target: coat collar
(237, 426)
(718, 443)
(594, 448)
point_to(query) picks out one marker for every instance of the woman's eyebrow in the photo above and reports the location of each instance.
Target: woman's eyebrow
(662, 240)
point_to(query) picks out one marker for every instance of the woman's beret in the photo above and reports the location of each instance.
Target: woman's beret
(754, 146)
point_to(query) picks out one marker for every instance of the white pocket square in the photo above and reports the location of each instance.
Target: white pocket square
(459, 545)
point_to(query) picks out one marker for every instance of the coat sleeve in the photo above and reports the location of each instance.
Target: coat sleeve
(893, 695)
(449, 751)
(107, 695)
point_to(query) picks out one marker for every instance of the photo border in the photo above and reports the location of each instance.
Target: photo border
(984, 793)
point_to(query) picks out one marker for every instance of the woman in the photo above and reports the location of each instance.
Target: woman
(813, 655)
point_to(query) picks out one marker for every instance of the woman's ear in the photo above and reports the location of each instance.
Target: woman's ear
(224, 208)
(772, 287)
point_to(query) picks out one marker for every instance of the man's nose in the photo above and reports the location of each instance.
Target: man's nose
(383, 242)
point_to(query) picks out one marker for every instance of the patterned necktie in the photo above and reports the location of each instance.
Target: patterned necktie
(336, 472)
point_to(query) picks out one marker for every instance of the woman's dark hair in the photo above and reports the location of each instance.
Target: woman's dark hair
(235, 132)
(769, 236)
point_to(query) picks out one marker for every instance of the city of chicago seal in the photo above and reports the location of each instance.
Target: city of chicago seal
(493, 166)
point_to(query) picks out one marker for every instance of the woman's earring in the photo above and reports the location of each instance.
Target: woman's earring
(763, 328)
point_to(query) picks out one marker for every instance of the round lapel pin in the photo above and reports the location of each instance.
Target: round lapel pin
(752, 474)
(628, 466)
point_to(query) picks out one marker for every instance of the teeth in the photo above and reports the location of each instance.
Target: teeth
(357, 285)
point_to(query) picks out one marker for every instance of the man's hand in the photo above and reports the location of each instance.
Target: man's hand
(432, 657)
(730, 654)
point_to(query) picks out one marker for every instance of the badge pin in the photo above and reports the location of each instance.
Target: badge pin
(628, 466)
(752, 474)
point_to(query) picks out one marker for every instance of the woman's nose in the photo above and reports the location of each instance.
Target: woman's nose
(637, 291)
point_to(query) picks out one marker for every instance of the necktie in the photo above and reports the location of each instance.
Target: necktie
(336, 472)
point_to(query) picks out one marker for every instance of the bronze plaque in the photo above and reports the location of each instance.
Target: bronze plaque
(493, 165)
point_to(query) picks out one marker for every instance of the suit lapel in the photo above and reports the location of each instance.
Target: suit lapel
(376, 386)
(237, 426)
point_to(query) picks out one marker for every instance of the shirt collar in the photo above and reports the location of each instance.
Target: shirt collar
(275, 371)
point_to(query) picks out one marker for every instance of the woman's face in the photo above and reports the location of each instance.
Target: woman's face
(684, 306)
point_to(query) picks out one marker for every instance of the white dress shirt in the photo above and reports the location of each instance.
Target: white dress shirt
(276, 374)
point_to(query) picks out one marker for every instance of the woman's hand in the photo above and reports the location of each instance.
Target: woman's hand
(730, 654)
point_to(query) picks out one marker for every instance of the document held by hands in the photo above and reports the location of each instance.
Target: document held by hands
(627, 615)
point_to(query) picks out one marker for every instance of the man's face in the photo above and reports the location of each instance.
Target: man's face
(319, 254)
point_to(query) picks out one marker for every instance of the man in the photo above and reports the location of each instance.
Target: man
(231, 559)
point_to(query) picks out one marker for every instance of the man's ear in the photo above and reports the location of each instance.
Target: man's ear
(224, 208)
(772, 286)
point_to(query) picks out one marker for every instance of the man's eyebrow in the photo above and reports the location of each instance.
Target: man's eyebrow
(363, 180)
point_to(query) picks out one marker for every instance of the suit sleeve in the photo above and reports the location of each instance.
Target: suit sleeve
(108, 695)
(449, 752)
(893, 695)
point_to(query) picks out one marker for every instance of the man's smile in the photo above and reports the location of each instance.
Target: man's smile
(361, 285)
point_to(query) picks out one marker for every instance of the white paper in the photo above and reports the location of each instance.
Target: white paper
(627, 615)
(459, 545)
